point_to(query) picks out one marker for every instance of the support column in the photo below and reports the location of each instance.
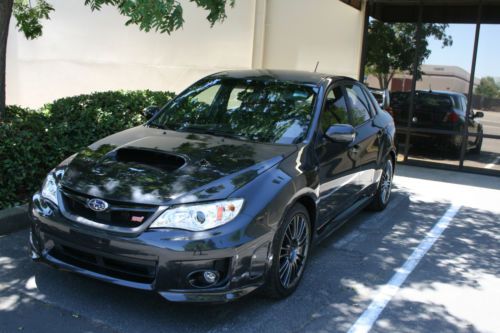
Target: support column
(465, 130)
(414, 79)
(259, 34)
(367, 8)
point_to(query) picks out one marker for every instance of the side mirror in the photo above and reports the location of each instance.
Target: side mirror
(150, 111)
(341, 133)
(478, 114)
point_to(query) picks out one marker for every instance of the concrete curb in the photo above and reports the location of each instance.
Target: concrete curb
(13, 219)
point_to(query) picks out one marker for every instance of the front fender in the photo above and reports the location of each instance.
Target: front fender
(271, 194)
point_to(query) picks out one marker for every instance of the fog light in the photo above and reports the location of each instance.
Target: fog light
(210, 277)
(205, 278)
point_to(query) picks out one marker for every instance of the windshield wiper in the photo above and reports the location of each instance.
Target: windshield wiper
(214, 131)
(160, 126)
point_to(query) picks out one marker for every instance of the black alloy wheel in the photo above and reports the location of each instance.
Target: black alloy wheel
(293, 251)
(383, 194)
(290, 252)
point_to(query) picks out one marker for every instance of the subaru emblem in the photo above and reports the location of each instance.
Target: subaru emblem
(97, 205)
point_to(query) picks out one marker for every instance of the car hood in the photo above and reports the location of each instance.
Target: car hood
(153, 166)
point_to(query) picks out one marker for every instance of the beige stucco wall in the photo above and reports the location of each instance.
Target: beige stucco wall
(81, 51)
(299, 33)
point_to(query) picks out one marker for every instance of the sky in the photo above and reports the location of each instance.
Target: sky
(460, 53)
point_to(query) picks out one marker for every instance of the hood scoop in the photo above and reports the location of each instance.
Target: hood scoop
(149, 157)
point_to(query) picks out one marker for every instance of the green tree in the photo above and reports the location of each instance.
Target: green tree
(163, 16)
(392, 47)
(488, 88)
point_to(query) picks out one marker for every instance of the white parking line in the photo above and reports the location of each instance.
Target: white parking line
(382, 298)
(491, 165)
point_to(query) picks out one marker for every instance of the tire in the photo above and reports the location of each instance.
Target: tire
(383, 194)
(290, 249)
(479, 143)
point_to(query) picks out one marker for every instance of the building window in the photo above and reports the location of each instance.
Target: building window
(354, 3)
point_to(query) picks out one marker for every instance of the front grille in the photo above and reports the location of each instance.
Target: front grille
(118, 214)
(134, 270)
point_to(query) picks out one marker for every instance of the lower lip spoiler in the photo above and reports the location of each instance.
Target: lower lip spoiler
(200, 296)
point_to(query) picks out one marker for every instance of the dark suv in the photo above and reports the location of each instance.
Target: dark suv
(437, 110)
(224, 190)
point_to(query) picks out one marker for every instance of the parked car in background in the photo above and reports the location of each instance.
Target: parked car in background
(383, 97)
(437, 110)
(225, 190)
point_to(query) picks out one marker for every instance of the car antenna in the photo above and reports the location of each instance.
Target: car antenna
(430, 87)
(315, 68)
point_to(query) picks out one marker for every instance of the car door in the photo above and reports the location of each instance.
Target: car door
(365, 149)
(336, 164)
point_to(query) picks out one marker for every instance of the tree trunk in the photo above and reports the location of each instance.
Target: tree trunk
(386, 81)
(5, 14)
(380, 81)
(391, 76)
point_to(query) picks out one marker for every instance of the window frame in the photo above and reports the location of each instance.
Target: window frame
(375, 105)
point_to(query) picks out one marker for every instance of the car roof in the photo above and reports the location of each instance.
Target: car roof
(445, 92)
(377, 89)
(294, 76)
(437, 92)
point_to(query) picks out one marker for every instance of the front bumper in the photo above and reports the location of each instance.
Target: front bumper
(163, 261)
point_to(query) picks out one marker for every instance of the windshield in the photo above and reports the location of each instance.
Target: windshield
(257, 110)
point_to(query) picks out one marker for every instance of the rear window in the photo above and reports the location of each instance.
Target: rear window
(434, 101)
(401, 100)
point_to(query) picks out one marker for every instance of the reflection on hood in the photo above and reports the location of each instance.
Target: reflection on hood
(152, 166)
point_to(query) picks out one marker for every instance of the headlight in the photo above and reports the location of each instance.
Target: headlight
(198, 217)
(49, 188)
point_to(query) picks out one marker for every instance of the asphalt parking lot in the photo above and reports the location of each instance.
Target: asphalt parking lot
(491, 122)
(452, 287)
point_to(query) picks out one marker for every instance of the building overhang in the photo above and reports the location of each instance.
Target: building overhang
(435, 11)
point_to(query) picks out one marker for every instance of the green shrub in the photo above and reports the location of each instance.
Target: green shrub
(32, 142)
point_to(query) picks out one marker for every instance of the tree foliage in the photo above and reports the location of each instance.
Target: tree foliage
(391, 47)
(34, 141)
(488, 88)
(161, 15)
(29, 17)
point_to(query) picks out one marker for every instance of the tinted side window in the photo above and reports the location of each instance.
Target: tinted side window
(359, 104)
(335, 109)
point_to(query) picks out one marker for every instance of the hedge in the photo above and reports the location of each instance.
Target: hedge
(32, 142)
